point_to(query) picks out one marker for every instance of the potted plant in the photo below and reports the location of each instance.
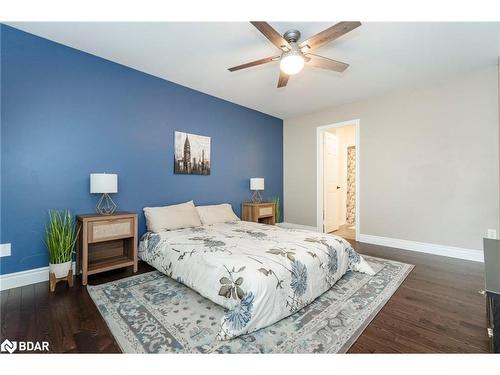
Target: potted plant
(277, 209)
(60, 239)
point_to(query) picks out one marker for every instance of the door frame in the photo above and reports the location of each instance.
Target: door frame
(319, 172)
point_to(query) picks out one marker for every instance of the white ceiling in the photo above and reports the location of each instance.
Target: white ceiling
(383, 57)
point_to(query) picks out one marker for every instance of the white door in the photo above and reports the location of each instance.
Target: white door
(331, 182)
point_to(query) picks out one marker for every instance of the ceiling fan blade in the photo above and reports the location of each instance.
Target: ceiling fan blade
(272, 35)
(329, 35)
(254, 63)
(326, 63)
(283, 80)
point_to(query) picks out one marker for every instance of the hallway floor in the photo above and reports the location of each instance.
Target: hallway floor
(347, 231)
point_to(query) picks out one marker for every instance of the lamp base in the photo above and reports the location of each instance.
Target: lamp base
(105, 206)
(256, 197)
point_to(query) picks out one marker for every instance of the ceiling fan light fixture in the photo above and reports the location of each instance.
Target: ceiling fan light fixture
(292, 63)
(294, 54)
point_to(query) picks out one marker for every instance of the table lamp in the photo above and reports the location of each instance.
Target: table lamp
(105, 184)
(256, 185)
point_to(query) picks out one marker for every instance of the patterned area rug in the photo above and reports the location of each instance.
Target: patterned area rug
(152, 313)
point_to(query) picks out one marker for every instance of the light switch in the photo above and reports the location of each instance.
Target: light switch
(5, 250)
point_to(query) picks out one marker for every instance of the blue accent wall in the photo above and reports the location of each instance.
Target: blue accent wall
(66, 114)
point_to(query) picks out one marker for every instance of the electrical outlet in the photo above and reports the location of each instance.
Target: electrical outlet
(492, 233)
(5, 250)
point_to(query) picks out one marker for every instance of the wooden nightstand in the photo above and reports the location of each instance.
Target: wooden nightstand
(106, 242)
(258, 212)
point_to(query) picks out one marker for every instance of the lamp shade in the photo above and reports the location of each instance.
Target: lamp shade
(103, 183)
(257, 183)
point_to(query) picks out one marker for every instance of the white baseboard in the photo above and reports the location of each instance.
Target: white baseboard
(22, 278)
(297, 226)
(37, 275)
(422, 247)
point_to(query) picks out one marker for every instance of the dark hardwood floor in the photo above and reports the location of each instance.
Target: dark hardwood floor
(436, 310)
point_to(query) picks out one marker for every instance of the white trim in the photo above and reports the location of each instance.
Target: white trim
(297, 226)
(22, 278)
(319, 172)
(422, 247)
(283, 173)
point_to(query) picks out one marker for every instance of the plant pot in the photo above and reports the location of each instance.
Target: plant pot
(60, 269)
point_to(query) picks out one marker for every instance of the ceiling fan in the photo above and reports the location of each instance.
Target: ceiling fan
(295, 54)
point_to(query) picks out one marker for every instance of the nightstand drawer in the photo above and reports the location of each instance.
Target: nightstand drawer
(266, 211)
(258, 212)
(105, 230)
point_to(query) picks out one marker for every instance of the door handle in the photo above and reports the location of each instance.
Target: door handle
(338, 187)
(490, 332)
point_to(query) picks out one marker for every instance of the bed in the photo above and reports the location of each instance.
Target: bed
(259, 273)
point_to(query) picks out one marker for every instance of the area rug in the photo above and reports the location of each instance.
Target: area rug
(152, 313)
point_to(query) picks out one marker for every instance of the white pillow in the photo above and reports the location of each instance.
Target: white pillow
(218, 213)
(177, 216)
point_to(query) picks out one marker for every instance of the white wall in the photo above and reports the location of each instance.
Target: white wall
(429, 165)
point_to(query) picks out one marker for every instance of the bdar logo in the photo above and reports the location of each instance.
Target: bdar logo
(8, 346)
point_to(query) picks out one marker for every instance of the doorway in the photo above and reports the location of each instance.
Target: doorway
(338, 203)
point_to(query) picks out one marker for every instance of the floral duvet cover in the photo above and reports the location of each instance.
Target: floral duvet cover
(260, 273)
